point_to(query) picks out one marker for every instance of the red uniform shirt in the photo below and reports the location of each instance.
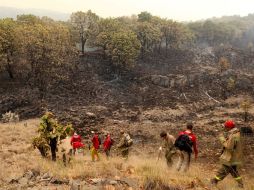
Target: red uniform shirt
(76, 142)
(107, 143)
(95, 141)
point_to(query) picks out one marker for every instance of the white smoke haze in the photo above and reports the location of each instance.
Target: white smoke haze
(180, 10)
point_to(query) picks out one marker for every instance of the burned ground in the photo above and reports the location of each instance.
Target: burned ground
(153, 96)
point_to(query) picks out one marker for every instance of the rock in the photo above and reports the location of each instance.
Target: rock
(59, 181)
(130, 170)
(13, 180)
(29, 174)
(97, 180)
(117, 121)
(23, 181)
(160, 80)
(46, 176)
(117, 178)
(130, 182)
(36, 173)
(38, 178)
(113, 182)
(90, 114)
(31, 184)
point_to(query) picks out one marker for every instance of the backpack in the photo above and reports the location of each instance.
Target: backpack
(184, 143)
(128, 140)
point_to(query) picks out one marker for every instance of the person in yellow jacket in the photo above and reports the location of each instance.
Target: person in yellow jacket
(231, 157)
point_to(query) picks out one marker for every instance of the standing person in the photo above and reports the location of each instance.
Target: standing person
(169, 141)
(76, 142)
(95, 146)
(108, 142)
(185, 142)
(124, 144)
(231, 156)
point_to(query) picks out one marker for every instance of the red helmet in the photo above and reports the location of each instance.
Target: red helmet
(229, 124)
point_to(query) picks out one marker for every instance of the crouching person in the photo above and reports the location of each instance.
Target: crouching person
(170, 149)
(231, 157)
(76, 142)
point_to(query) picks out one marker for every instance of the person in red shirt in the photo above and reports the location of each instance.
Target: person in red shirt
(95, 146)
(76, 142)
(185, 153)
(108, 142)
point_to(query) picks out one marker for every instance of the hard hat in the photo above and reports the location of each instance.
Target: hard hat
(229, 124)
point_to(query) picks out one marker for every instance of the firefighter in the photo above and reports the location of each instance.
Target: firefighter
(95, 146)
(231, 157)
(76, 142)
(107, 144)
(186, 142)
(124, 144)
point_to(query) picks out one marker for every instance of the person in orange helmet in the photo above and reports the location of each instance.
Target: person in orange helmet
(231, 157)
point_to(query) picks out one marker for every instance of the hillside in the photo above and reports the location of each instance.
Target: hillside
(138, 103)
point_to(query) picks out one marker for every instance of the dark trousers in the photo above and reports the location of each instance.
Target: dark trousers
(125, 152)
(107, 152)
(224, 171)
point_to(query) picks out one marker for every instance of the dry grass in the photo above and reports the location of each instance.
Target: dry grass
(80, 167)
(16, 152)
(17, 156)
(197, 177)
